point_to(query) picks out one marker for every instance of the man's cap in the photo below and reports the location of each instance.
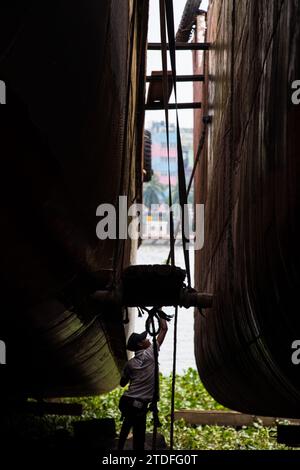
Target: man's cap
(134, 339)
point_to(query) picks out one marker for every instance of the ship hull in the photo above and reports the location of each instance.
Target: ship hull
(70, 131)
(249, 183)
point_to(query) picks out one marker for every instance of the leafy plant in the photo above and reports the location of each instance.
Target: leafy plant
(190, 394)
(154, 192)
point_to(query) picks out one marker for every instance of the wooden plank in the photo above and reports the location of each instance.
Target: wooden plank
(179, 78)
(181, 46)
(226, 418)
(159, 107)
(156, 92)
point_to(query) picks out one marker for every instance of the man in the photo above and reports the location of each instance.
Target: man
(140, 372)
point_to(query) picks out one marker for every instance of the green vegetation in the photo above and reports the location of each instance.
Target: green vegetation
(190, 393)
(154, 192)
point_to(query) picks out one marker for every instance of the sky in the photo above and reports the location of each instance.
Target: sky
(184, 64)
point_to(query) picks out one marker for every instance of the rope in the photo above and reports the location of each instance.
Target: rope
(182, 200)
(164, 49)
(156, 388)
(181, 172)
(173, 380)
(150, 322)
(172, 237)
(197, 160)
(150, 328)
(155, 313)
(183, 196)
(167, 15)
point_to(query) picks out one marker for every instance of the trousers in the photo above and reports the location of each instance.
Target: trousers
(134, 414)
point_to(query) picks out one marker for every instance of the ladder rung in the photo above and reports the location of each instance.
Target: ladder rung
(179, 78)
(182, 46)
(160, 106)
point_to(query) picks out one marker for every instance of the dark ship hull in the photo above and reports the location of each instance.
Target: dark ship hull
(70, 130)
(249, 183)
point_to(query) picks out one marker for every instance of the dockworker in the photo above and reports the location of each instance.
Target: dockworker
(140, 373)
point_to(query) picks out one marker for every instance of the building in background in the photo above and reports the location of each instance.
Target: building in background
(156, 194)
(160, 154)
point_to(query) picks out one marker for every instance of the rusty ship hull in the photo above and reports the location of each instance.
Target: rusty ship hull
(70, 133)
(249, 182)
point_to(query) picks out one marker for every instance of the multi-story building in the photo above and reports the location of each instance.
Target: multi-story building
(160, 154)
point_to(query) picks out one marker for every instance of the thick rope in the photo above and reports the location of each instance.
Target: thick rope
(152, 314)
(163, 33)
(173, 380)
(156, 388)
(167, 15)
(197, 160)
(182, 199)
(150, 328)
(181, 172)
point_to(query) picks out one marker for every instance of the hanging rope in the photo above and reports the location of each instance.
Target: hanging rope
(183, 193)
(162, 4)
(167, 16)
(166, 108)
(158, 314)
(181, 172)
(182, 199)
(173, 380)
(197, 160)
(155, 401)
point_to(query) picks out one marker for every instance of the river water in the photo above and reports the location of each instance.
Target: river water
(157, 254)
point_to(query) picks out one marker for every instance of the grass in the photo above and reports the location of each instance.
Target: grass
(190, 393)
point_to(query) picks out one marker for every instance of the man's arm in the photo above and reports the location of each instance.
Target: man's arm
(163, 331)
(125, 377)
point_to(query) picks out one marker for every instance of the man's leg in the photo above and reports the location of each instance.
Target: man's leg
(139, 431)
(126, 426)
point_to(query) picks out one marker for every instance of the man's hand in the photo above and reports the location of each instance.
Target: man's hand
(164, 316)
